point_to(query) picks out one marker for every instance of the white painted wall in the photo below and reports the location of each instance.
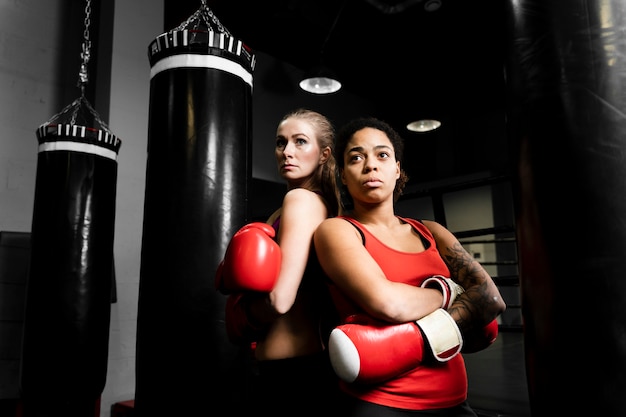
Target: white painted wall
(136, 24)
(28, 84)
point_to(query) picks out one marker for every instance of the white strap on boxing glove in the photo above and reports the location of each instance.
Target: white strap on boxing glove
(442, 334)
(448, 288)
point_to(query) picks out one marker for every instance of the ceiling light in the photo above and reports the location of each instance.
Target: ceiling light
(432, 5)
(320, 80)
(424, 125)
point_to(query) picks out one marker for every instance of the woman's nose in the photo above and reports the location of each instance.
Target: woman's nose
(370, 165)
(288, 151)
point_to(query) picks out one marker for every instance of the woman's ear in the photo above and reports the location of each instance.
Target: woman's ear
(343, 178)
(398, 169)
(325, 155)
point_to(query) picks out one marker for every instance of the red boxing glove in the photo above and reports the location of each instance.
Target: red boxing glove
(367, 351)
(251, 262)
(239, 329)
(479, 339)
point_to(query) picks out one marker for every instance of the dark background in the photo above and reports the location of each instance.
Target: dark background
(413, 63)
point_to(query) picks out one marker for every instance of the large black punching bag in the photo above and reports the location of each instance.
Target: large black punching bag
(68, 294)
(567, 79)
(198, 169)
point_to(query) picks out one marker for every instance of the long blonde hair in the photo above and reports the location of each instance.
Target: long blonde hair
(325, 177)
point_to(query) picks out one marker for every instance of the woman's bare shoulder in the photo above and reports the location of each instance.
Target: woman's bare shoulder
(301, 195)
(333, 226)
(304, 205)
(429, 223)
(437, 229)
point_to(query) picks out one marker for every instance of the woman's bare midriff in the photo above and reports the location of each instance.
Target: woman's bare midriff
(293, 334)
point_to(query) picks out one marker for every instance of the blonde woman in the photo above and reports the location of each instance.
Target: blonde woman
(287, 323)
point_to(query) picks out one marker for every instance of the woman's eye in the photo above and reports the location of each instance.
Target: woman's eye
(280, 143)
(300, 141)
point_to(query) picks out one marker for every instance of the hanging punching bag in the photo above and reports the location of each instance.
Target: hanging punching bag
(68, 295)
(198, 171)
(568, 124)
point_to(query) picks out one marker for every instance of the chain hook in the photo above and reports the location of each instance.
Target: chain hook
(85, 55)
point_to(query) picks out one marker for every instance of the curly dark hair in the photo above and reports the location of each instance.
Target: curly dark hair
(345, 134)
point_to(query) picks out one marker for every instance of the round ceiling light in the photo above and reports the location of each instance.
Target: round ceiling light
(425, 125)
(320, 85)
(432, 5)
(320, 80)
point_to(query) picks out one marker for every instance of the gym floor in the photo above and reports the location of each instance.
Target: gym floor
(497, 381)
(497, 378)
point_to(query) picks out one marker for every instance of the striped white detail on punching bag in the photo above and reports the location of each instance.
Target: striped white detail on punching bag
(201, 61)
(77, 147)
(68, 137)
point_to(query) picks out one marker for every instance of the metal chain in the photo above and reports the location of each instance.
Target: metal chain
(203, 15)
(85, 55)
(209, 13)
(80, 110)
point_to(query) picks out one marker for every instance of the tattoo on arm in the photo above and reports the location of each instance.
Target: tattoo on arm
(461, 264)
(467, 309)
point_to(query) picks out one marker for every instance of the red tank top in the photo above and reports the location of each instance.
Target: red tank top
(438, 385)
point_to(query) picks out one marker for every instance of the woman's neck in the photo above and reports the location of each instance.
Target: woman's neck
(374, 213)
(308, 184)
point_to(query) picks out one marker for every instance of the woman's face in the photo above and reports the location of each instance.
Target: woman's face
(370, 167)
(297, 152)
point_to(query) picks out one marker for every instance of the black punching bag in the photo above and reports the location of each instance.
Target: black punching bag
(68, 295)
(567, 90)
(198, 169)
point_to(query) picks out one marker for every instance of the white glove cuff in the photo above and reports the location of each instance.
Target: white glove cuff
(442, 333)
(448, 288)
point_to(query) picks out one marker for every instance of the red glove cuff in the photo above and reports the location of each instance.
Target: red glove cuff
(479, 339)
(240, 328)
